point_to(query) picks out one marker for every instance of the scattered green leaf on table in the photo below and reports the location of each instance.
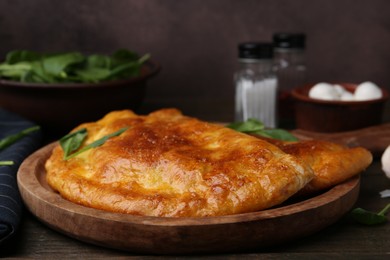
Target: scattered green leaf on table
(6, 163)
(10, 139)
(370, 218)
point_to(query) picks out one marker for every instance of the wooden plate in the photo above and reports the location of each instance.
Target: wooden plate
(156, 235)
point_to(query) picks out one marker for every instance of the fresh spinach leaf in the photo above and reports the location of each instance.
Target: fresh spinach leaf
(38, 74)
(6, 163)
(14, 71)
(70, 67)
(21, 56)
(55, 65)
(249, 126)
(279, 134)
(10, 139)
(125, 70)
(72, 141)
(122, 56)
(370, 218)
(93, 74)
(95, 144)
(98, 61)
(254, 126)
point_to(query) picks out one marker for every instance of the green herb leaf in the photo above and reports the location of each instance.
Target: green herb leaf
(97, 143)
(123, 56)
(69, 67)
(130, 69)
(98, 61)
(254, 126)
(38, 74)
(249, 126)
(280, 134)
(365, 217)
(8, 140)
(93, 74)
(6, 163)
(14, 71)
(17, 56)
(57, 64)
(72, 141)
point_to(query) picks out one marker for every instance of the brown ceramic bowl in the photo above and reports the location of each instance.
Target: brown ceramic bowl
(336, 116)
(60, 107)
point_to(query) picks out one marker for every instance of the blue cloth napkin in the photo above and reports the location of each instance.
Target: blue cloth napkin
(11, 205)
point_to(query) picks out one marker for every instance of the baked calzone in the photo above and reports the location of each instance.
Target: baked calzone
(167, 164)
(332, 163)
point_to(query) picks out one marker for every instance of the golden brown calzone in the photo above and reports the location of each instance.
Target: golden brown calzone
(332, 163)
(167, 164)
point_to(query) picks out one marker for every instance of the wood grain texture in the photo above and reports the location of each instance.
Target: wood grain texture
(155, 235)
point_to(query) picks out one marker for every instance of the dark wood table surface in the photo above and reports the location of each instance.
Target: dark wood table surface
(343, 239)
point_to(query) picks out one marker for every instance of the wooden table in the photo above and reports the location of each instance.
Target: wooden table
(344, 239)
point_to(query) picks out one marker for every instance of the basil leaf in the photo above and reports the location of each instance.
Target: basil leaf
(254, 126)
(8, 140)
(96, 143)
(72, 141)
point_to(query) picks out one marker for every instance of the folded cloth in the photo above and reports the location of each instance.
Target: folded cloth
(11, 205)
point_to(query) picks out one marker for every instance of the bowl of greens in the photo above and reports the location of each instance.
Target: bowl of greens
(60, 90)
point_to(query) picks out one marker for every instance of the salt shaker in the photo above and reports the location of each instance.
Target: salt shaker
(289, 56)
(256, 84)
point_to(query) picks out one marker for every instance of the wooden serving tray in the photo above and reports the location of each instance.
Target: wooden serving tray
(157, 235)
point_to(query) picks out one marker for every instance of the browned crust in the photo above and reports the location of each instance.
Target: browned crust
(332, 163)
(167, 164)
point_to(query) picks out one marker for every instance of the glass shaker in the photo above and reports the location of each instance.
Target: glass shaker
(289, 56)
(256, 84)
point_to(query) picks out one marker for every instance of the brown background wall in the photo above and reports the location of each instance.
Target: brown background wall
(196, 41)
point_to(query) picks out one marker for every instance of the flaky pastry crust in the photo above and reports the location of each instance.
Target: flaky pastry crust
(170, 165)
(332, 163)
